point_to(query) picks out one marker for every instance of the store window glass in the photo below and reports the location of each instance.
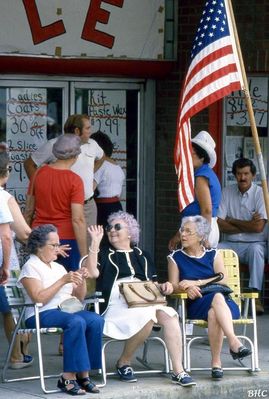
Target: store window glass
(115, 112)
(238, 141)
(29, 116)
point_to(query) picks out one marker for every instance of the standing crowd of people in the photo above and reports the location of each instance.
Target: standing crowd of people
(75, 231)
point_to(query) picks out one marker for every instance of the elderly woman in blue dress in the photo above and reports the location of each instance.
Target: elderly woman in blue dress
(123, 261)
(189, 268)
(47, 282)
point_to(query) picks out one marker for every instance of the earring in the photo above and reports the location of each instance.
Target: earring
(129, 236)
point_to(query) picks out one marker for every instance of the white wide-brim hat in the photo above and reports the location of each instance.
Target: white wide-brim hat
(205, 141)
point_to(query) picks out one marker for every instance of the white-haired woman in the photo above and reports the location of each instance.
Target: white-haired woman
(123, 261)
(188, 269)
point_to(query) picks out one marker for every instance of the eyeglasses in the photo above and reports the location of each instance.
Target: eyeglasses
(187, 232)
(116, 227)
(54, 246)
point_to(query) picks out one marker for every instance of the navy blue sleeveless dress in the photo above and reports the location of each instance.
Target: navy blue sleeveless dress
(199, 268)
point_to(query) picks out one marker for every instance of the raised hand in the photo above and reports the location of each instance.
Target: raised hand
(63, 250)
(96, 233)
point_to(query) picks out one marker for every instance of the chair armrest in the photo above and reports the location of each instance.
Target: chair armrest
(96, 294)
(180, 295)
(93, 300)
(250, 295)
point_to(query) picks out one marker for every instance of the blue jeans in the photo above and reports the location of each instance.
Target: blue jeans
(82, 338)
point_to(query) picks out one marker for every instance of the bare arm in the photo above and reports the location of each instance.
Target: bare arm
(173, 275)
(6, 239)
(79, 226)
(203, 196)
(96, 233)
(30, 167)
(19, 225)
(174, 242)
(38, 293)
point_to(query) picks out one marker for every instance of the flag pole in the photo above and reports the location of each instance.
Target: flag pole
(251, 114)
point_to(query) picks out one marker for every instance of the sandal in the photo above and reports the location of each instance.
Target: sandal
(75, 390)
(88, 385)
(242, 352)
(216, 373)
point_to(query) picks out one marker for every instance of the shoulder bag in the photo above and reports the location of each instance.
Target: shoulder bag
(212, 287)
(142, 293)
(71, 305)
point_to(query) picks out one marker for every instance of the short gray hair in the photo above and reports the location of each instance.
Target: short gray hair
(67, 146)
(132, 224)
(202, 225)
(38, 237)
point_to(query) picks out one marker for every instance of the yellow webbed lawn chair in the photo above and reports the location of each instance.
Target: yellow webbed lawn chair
(246, 303)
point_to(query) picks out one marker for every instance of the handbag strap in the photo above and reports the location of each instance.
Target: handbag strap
(217, 277)
(146, 286)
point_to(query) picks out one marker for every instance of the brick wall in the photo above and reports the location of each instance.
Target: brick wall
(253, 29)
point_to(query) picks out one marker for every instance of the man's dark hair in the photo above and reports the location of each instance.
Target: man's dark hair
(242, 163)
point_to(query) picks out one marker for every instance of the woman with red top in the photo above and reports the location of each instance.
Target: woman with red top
(59, 199)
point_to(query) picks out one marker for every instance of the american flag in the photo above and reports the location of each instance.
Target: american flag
(213, 73)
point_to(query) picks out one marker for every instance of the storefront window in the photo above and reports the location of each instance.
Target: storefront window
(238, 141)
(115, 112)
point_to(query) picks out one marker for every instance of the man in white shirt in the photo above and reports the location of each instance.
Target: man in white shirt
(242, 217)
(78, 124)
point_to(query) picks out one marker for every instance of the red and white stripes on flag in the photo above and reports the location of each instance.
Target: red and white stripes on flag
(214, 72)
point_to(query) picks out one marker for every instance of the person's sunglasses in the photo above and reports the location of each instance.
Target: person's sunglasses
(116, 227)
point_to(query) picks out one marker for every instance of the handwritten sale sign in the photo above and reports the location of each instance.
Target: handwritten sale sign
(26, 128)
(236, 110)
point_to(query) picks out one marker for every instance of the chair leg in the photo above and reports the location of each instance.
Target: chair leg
(255, 336)
(11, 346)
(103, 371)
(40, 358)
(184, 335)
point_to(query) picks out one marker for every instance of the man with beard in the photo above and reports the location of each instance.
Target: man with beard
(242, 217)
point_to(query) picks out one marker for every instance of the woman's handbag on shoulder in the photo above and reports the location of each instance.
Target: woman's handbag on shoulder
(142, 293)
(212, 287)
(71, 305)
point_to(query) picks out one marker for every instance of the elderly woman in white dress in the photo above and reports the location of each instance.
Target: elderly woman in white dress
(123, 261)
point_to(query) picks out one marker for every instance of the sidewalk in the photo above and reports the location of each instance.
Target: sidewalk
(235, 385)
